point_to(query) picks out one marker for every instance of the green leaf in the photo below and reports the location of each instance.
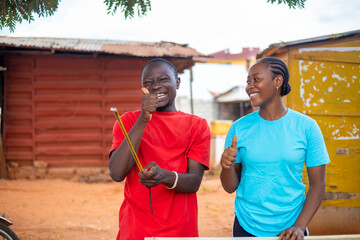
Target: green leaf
(127, 7)
(291, 3)
(13, 12)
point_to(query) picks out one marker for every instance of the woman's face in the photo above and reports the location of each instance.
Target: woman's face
(261, 87)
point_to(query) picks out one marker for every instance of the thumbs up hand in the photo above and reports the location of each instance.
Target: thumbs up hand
(149, 103)
(229, 155)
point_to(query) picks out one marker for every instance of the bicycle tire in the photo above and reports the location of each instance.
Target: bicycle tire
(7, 234)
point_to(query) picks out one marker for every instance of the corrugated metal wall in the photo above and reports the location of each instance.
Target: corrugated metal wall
(57, 107)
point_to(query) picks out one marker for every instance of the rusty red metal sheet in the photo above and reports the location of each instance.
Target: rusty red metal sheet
(57, 108)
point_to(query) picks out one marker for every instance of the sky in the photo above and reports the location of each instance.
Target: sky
(207, 25)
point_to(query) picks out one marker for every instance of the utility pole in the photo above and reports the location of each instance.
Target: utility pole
(191, 93)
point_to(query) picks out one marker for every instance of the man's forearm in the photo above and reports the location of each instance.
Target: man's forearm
(188, 182)
(121, 160)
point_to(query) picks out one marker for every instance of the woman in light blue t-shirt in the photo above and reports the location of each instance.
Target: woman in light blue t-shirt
(264, 155)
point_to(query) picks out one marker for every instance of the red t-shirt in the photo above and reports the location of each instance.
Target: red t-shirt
(169, 139)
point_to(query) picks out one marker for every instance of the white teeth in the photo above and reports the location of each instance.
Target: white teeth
(252, 94)
(161, 95)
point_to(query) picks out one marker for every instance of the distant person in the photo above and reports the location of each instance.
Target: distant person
(173, 147)
(264, 158)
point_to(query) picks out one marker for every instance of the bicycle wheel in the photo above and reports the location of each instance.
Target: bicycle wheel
(6, 233)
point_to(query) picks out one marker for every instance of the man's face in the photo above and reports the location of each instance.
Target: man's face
(159, 79)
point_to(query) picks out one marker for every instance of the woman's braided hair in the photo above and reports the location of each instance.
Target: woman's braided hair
(278, 67)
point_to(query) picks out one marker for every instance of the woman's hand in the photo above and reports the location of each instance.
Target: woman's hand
(229, 155)
(230, 173)
(292, 233)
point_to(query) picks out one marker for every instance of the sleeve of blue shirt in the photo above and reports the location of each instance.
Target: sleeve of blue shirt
(316, 153)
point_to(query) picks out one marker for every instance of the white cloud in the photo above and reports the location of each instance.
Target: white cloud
(206, 25)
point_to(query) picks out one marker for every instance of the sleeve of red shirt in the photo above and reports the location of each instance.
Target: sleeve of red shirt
(128, 121)
(200, 148)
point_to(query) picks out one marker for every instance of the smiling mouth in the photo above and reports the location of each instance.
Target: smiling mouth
(161, 95)
(252, 94)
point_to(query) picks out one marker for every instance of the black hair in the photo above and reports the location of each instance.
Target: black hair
(172, 66)
(278, 67)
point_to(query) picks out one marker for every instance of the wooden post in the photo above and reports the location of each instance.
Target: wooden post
(3, 173)
(191, 92)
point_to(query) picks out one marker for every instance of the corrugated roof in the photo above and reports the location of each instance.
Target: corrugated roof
(235, 94)
(277, 46)
(139, 49)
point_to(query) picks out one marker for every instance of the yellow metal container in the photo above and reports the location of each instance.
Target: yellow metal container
(220, 127)
(325, 82)
(219, 130)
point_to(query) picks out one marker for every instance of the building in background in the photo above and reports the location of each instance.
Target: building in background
(58, 94)
(207, 79)
(325, 82)
(232, 103)
(246, 58)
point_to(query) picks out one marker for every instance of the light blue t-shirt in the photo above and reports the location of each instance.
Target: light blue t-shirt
(271, 193)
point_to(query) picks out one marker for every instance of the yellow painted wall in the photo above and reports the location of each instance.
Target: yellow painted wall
(325, 82)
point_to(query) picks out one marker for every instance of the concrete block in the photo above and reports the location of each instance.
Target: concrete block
(41, 173)
(65, 173)
(24, 172)
(40, 164)
(87, 171)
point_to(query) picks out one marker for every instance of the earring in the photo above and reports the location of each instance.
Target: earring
(277, 88)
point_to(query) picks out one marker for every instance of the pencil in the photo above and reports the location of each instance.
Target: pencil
(132, 150)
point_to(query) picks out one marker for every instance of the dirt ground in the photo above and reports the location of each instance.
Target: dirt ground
(67, 209)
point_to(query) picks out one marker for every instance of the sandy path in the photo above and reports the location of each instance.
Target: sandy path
(61, 209)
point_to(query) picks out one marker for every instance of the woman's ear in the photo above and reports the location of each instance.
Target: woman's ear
(278, 81)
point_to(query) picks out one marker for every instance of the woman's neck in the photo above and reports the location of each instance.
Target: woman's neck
(273, 111)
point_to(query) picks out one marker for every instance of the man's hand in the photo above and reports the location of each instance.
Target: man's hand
(292, 233)
(149, 103)
(229, 155)
(152, 176)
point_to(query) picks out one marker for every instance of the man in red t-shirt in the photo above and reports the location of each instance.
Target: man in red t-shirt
(173, 146)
